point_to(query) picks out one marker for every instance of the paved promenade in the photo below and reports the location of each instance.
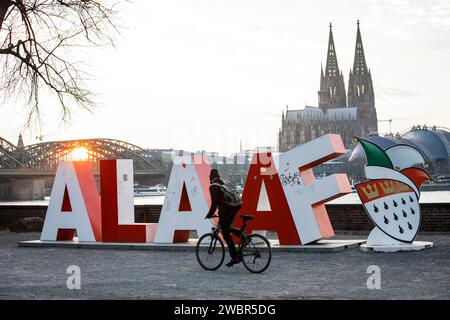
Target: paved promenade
(40, 273)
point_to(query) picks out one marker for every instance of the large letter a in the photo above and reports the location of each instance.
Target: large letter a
(264, 198)
(74, 205)
(187, 201)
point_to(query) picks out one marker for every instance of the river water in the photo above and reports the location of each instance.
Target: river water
(352, 198)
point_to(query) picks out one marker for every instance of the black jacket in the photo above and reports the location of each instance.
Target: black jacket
(218, 201)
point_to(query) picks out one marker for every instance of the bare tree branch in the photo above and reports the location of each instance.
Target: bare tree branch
(35, 39)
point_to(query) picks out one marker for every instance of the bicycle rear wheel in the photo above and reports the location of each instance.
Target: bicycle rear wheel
(256, 253)
(210, 252)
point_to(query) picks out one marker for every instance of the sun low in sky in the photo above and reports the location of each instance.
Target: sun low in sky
(207, 74)
(78, 154)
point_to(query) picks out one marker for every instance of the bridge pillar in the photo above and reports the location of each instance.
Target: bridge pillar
(26, 189)
(149, 180)
(4, 190)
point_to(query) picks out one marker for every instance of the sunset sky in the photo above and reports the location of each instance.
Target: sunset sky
(204, 74)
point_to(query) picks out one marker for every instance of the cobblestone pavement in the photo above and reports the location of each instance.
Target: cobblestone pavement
(40, 273)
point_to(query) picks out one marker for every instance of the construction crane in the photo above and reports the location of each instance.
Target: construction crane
(390, 124)
(399, 119)
(383, 120)
(273, 114)
(40, 138)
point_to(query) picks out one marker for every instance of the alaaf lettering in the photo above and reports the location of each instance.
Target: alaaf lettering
(281, 191)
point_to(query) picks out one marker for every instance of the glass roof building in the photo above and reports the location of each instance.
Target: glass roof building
(433, 143)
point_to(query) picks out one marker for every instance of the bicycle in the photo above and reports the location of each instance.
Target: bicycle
(253, 250)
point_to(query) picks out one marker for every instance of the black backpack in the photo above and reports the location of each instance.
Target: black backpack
(231, 196)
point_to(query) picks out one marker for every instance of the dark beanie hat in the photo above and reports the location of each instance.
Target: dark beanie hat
(213, 174)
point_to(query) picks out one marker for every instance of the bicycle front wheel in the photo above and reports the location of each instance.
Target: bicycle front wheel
(210, 252)
(256, 253)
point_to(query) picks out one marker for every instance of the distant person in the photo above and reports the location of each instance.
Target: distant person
(227, 213)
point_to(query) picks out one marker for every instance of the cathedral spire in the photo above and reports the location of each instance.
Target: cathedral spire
(20, 144)
(360, 90)
(359, 64)
(332, 87)
(332, 68)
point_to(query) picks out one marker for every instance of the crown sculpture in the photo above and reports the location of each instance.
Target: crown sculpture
(391, 196)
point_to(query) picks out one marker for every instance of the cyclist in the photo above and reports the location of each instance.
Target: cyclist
(226, 214)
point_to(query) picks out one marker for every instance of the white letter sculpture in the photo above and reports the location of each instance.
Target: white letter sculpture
(306, 197)
(187, 201)
(74, 205)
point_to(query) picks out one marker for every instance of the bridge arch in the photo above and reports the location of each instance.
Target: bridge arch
(45, 156)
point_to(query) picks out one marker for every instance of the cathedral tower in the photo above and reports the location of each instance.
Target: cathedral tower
(20, 144)
(360, 91)
(332, 87)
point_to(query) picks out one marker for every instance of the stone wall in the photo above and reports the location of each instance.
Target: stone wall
(22, 189)
(435, 217)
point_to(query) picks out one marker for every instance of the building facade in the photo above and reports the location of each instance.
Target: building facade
(351, 114)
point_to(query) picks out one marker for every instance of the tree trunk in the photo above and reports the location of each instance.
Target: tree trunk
(4, 5)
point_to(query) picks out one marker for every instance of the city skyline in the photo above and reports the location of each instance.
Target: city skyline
(205, 75)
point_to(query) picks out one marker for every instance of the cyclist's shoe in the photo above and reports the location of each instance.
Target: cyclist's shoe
(233, 262)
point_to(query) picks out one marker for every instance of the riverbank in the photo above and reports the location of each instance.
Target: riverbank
(435, 216)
